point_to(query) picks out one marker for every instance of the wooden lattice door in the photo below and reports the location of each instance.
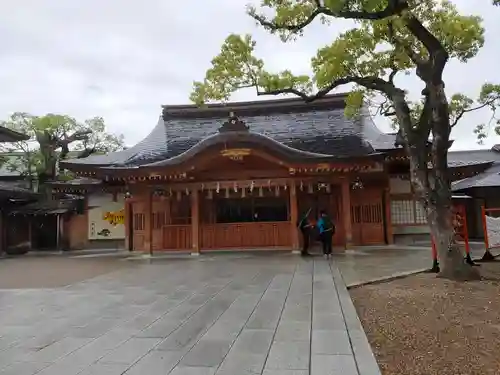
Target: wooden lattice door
(367, 216)
(138, 225)
(160, 214)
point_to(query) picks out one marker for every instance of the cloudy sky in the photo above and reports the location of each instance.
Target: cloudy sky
(123, 59)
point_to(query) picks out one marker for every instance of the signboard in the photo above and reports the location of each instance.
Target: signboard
(107, 222)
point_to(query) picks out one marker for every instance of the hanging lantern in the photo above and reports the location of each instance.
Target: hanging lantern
(322, 186)
(357, 184)
(217, 189)
(235, 187)
(187, 191)
(252, 185)
(277, 191)
(243, 193)
(285, 187)
(301, 186)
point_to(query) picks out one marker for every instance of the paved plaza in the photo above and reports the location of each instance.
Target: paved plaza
(226, 315)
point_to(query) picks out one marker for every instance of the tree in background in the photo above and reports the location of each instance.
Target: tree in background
(51, 139)
(388, 37)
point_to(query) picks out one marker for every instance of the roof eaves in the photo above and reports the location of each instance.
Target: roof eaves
(9, 135)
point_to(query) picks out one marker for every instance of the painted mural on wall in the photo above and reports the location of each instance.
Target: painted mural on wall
(107, 220)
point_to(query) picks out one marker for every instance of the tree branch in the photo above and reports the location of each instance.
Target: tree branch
(438, 54)
(424, 126)
(370, 82)
(464, 111)
(392, 8)
(76, 136)
(414, 57)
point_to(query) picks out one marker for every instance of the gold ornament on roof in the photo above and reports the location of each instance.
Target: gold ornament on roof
(236, 154)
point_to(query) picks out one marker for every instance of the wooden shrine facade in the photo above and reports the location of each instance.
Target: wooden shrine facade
(243, 190)
(257, 214)
(224, 197)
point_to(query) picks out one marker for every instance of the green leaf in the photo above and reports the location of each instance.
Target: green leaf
(371, 48)
(48, 133)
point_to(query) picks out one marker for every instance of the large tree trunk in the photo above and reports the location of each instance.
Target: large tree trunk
(451, 256)
(439, 207)
(432, 185)
(435, 197)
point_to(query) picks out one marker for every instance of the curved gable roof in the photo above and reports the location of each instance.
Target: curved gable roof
(318, 128)
(246, 139)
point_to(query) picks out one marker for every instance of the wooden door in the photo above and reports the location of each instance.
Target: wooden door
(138, 225)
(177, 231)
(367, 216)
(160, 214)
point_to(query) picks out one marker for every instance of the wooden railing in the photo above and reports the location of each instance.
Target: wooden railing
(177, 237)
(245, 235)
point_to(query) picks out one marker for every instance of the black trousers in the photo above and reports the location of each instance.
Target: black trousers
(306, 239)
(326, 240)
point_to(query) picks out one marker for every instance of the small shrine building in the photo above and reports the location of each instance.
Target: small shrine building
(240, 175)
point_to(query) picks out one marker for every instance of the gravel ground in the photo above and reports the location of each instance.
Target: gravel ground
(422, 325)
(53, 271)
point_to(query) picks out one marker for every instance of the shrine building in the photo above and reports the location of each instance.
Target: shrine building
(239, 176)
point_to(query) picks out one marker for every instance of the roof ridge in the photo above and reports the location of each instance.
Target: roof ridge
(259, 103)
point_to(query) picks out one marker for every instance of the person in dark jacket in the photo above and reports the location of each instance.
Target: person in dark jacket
(305, 227)
(326, 232)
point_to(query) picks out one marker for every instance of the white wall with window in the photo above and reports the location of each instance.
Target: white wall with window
(407, 213)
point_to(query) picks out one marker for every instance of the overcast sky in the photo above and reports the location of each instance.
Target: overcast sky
(123, 59)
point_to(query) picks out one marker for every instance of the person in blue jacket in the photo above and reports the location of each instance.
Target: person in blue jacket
(326, 232)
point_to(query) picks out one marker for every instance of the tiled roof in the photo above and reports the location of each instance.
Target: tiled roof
(8, 135)
(467, 163)
(46, 207)
(312, 128)
(14, 191)
(489, 178)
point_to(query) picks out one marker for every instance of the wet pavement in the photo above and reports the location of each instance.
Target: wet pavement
(363, 265)
(225, 315)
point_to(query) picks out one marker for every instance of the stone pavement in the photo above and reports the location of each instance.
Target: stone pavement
(225, 315)
(366, 264)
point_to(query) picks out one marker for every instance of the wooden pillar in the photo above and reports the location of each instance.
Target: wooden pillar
(195, 222)
(388, 220)
(148, 227)
(346, 212)
(128, 224)
(294, 218)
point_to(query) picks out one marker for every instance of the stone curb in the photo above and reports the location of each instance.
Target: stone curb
(366, 362)
(379, 280)
(396, 276)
